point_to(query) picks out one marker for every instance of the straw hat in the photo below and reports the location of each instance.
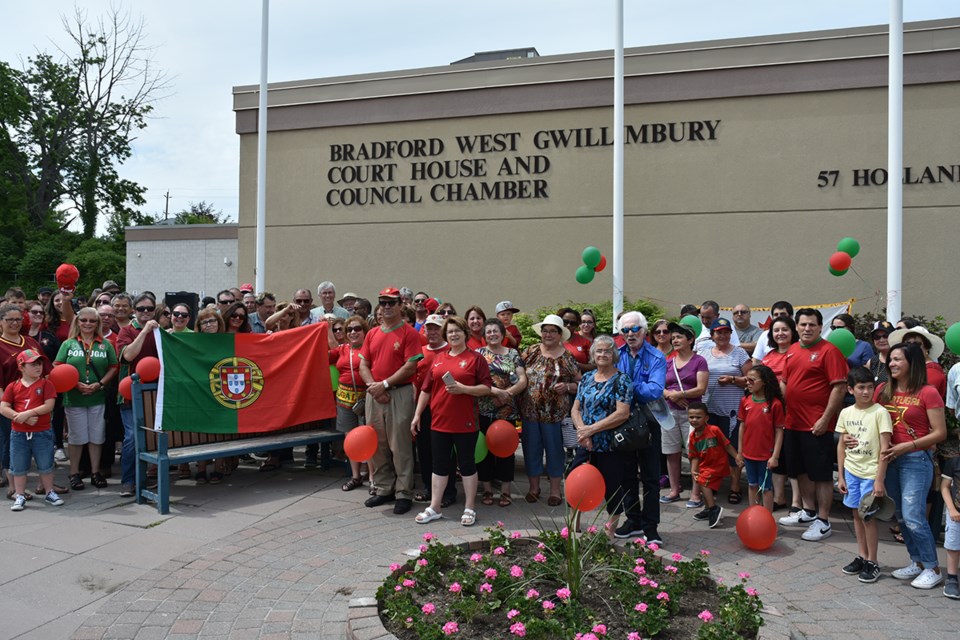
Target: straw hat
(935, 342)
(554, 321)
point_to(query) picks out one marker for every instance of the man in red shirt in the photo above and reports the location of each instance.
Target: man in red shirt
(814, 382)
(388, 361)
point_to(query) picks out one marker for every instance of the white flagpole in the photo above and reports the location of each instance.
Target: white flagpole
(618, 164)
(259, 272)
(895, 165)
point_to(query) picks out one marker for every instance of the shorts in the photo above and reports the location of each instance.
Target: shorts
(808, 454)
(675, 440)
(758, 475)
(443, 444)
(710, 479)
(857, 487)
(347, 420)
(86, 425)
(951, 538)
(25, 445)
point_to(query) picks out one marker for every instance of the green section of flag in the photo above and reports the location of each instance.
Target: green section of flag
(186, 400)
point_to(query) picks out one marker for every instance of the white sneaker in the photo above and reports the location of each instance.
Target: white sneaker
(19, 502)
(817, 531)
(60, 456)
(54, 499)
(908, 573)
(795, 518)
(927, 579)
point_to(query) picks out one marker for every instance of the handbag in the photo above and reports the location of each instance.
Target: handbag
(636, 433)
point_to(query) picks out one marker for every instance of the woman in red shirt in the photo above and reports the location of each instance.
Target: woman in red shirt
(457, 378)
(351, 388)
(475, 319)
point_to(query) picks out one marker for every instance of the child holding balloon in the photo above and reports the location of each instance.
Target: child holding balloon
(762, 417)
(709, 448)
(869, 424)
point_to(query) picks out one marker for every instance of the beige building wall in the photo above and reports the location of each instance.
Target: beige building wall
(735, 210)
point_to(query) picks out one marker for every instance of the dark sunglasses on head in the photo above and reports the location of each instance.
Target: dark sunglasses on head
(627, 330)
(181, 314)
(145, 309)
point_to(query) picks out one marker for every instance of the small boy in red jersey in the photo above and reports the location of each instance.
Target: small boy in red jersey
(708, 459)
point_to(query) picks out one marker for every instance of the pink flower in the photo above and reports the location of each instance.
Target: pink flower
(518, 629)
(409, 619)
(499, 524)
(563, 593)
(744, 575)
(676, 557)
(640, 542)
(671, 568)
(455, 587)
(663, 595)
(516, 571)
(653, 546)
(476, 557)
(704, 552)
(486, 587)
(428, 609)
(592, 529)
(705, 615)
(513, 613)
(409, 583)
(565, 533)
(633, 635)
(639, 570)
(499, 551)
(752, 592)
(644, 581)
(641, 607)
(422, 562)
(398, 588)
(394, 567)
(653, 584)
(515, 535)
(600, 628)
(539, 558)
(451, 628)
(490, 573)
(532, 593)
(587, 636)
(719, 578)
(640, 561)
(423, 548)
(548, 605)
(427, 537)
(540, 545)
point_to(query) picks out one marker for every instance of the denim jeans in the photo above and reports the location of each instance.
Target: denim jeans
(128, 454)
(539, 438)
(36, 445)
(908, 482)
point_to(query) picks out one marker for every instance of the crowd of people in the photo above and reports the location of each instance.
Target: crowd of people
(780, 405)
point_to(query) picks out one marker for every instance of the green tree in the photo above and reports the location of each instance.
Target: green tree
(201, 213)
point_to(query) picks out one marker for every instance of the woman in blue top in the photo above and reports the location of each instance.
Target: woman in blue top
(603, 403)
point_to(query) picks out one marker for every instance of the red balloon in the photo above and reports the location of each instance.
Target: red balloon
(126, 388)
(585, 488)
(148, 369)
(757, 528)
(502, 439)
(361, 443)
(64, 377)
(840, 261)
(603, 264)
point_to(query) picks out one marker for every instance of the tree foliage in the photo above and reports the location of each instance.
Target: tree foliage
(201, 213)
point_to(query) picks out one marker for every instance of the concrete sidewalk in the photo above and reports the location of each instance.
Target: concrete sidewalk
(282, 554)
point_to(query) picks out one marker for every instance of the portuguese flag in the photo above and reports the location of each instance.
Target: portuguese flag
(243, 382)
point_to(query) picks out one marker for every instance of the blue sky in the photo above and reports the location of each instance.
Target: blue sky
(207, 47)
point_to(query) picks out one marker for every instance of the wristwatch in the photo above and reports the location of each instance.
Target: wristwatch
(386, 385)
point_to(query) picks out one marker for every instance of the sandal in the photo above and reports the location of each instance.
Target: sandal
(446, 501)
(98, 481)
(554, 501)
(469, 518)
(734, 497)
(427, 515)
(56, 487)
(351, 484)
(505, 500)
(421, 496)
(487, 498)
(898, 537)
(26, 494)
(201, 477)
(216, 477)
(76, 483)
(532, 496)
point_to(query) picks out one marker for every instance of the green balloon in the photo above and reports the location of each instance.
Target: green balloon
(334, 377)
(481, 451)
(844, 340)
(849, 246)
(952, 338)
(835, 272)
(585, 274)
(591, 257)
(694, 323)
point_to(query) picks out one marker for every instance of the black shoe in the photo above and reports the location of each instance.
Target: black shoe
(628, 529)
(377, 501)
(715, 515)
(703, 515)
(447, 500)
(653, 537)
(870, 573)
(402, 506)
(855, 567)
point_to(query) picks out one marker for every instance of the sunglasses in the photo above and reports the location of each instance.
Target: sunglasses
(419, 300)
(628, 330)
(225, 301)
(662, 332)
(88, 320)
(238, 316)
(354, 329)
(570, 323)
(181, 314)
(303, 301)
(391, 302)
(338, 329)
(35, 312)
(165, 314)
(145, 309)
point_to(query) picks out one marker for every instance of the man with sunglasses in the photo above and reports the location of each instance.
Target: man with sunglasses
(303, 306)
(388, 362)
(647, 368)
(746, 332)
(224, 299)
(135, 343)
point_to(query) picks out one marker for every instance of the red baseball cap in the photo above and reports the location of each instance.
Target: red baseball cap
(246, 287)
(431, 305)
(389, 292)
(27, 356)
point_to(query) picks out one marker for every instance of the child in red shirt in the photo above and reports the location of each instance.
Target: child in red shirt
(27, 403)
(708, 460)
(761, 417)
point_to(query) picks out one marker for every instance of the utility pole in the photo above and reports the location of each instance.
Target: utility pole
(166, 207)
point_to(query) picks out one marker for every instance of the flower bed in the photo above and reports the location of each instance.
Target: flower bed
(561, 585)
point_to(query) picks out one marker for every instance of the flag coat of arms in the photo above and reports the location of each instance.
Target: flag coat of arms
(243, 382)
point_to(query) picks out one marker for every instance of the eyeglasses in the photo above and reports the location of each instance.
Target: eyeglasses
(88, 320)
(208, 322)
(225, 301)
(626, 330)
(145, 309)
(354, 329)
(549, 329)
(181, 314)
(419, 300)
(587, 322)
(303, 300)
(662, 332)
(36, 312)
(741, 313)
(390, 302)
(14, 320)
(603, 352)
